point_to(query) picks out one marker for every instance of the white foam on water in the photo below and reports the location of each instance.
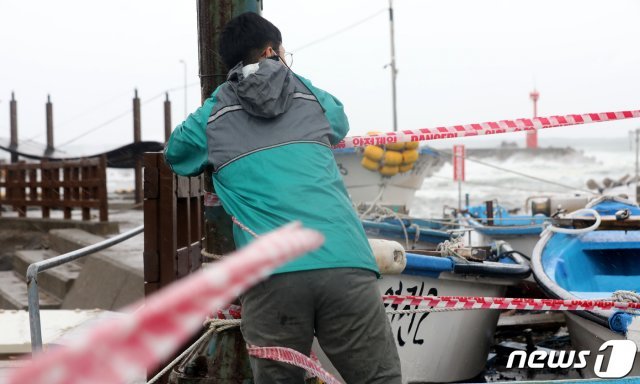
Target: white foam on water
(596, 159)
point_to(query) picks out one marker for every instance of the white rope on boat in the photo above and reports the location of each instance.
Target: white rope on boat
(574, 231)
(626, 296)
(450, 247)
(379, 213)
(215, 326)
(427, 310)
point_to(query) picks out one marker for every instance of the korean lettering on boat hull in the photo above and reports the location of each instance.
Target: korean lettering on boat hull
(408, 325)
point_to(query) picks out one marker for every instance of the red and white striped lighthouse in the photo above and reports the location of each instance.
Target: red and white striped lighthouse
(532, 136)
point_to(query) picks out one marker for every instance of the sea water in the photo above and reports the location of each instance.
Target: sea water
(593, 159)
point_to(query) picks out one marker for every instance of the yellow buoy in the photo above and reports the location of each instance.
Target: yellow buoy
(393, 158)
(406, 167)
(373, 152)
(370, 164)
(412, 145)
(395, 146)
(410, 156)
(389, 170)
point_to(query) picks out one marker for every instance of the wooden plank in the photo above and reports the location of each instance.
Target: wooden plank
(183, 255)
(183, 187)
(46, 202)
(88, 204)
(195, 256)
(51, 164)
(85, 192)
(33, 180)
(66, 179)
(22, 194)
(151, 202)
(54, 183)
(102, 189)
(167, 215)
(607, 223)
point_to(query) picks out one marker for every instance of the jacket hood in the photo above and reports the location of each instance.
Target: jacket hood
(266, 93)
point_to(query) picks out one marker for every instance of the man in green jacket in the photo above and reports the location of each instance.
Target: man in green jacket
(267, 133)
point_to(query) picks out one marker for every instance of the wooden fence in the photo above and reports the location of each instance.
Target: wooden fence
(51, 185)
(173, 223)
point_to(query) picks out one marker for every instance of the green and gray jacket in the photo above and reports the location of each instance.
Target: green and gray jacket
(268, 137)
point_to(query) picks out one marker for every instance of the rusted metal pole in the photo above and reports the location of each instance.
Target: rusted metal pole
(137, 137)
(213, 15)
(13, 121)
(489, 205)
(49, 110)
(167, 118)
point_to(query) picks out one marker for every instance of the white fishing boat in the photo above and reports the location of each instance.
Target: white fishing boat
(447, 346)
(365, 186)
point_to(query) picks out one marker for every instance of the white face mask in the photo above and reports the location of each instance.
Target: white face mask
(249, 69)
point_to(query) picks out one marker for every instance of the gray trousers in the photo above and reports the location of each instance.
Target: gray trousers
(342, 307)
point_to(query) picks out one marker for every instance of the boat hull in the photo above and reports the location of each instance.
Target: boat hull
(365, 186)
(588, 335)
(440, 347)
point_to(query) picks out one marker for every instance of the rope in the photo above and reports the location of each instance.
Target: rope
(450, 247)
(416, 239)
(215, 326)
(244, 227)
(573, 231)
(374, 203)
(210, 256)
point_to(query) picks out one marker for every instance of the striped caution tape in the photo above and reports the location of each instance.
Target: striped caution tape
(118, 350)
(489, 128)
(293, 357)
(229, 313)
(462, 302)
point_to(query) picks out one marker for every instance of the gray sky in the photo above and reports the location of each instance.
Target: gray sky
(460, 61)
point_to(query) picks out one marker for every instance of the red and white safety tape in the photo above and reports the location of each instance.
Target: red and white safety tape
(488, 128)
(462, 302)
(293, 357)
(119, 349)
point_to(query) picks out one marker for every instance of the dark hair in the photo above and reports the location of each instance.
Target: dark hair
(245, 36)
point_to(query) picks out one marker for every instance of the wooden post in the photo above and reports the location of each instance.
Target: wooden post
(160, 223)
(85, 191)
(49, 110)
(13, 121)
(213, 15)
(489, 206)
(137, 137)
(167, 118)
(101, 191)
(66, 175)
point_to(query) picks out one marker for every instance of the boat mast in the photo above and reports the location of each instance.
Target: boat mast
(394, 71)
(637, 164)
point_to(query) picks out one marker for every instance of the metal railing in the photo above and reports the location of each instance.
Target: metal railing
(41, 266)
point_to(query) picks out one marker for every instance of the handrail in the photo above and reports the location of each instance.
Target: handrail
(33, 298)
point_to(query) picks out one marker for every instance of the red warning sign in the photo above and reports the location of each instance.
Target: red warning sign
(458, 162)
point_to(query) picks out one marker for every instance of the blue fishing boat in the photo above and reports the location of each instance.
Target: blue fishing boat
(446, 346)
(411, 232)
(494, 222)
(593, 254)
